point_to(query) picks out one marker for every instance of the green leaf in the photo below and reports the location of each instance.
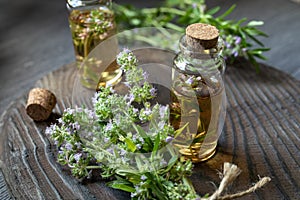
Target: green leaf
(125, 171)
(131, 146)
(227, 12)
(142, 133)
(171, 163)
(172, 2)
(174, 27)
(260, 56)
(179, 131)
(213, 10)
(255, 23)
(261, 49)
(157, 142)
(255, 40)
(139, 163)
(258, 52)
(156, 186)
(253, 62)
(238, 23)
(253, 31)
(121, 185)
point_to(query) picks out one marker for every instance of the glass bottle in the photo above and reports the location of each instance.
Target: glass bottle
(91, 22)
(198, 102)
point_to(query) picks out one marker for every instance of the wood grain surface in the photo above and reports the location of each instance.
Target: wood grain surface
(35, 39)
(261, 135)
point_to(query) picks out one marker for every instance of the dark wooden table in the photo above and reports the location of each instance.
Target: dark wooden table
(261, 136)
(262, 131)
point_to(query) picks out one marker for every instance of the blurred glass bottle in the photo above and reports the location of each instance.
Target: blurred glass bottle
(91, 22)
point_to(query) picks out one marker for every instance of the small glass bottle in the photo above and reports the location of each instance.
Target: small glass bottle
(91, 22)
(198, 103)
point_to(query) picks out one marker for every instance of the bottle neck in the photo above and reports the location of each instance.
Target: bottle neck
(79, 4)
(201, 61)
(201, 53)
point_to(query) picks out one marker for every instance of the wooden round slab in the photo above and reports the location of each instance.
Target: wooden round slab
(261, 136)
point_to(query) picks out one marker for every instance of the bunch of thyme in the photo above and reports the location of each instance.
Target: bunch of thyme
(240, 36)
(127, 137)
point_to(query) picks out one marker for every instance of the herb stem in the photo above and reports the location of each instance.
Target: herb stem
(93, 167)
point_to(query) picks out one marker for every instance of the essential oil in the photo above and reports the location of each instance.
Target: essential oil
(198, 100)
(201, 112)
(90, 27)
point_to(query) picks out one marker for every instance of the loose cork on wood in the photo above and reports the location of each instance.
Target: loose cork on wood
(202, 36)
(40, 104)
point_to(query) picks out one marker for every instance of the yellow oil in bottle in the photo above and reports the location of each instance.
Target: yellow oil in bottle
(89, 28)
(199, 108)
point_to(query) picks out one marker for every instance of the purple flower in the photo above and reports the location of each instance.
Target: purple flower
(194, 5)
(106, 139)
(109, 126)
(110, 150)
(135, 110)
(49, 130)
(127, 84)
(162, 111)
(76, 126)
(77, 156)
(190, 80)
(143, 177)
(134, 137)
(130, 98)
(69, 146)
(122, 152)
(95, 98)
(146, 75)
(227, 45)
(130, 57)
(238, 40)
(147, 112)
(69, 111)
(91, 114)
(60, 120)
(111, 90)
(78, 144)
(163, 162)
(141, 140)
(244, 49)
(126, 50)
(153, 92)
(78, 109)
(69, 131)
(235, 53)
(169, 139)
(90, 134)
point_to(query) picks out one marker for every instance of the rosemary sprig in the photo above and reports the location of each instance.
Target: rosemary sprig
(241, 37)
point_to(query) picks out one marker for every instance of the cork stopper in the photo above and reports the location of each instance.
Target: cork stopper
(202, 36)
(40, 104)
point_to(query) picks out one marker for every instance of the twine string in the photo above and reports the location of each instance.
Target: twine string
(230, 173)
